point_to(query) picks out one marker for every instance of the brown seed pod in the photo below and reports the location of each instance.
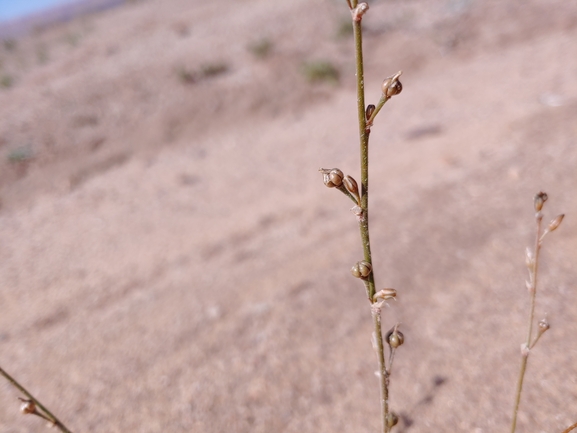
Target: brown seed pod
(395, 338)
(555, 222)
(543, 325)
(332, 177)
(27, 407)
(361, 269)
(392, 86)
(392, 419)
(352, 187)
(369, 111)
(540, 199)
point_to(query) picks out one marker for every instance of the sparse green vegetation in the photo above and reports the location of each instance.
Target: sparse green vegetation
(73, 38)
(320, 70)
(186, 76)
(10, 44)
(208, 70)
(20, 154)
(6, 81)
(213, 69)
(42, 54)
(261, 48)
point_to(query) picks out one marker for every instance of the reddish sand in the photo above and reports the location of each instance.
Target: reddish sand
(170, 260)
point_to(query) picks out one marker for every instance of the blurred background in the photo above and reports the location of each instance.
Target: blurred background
(170, 259)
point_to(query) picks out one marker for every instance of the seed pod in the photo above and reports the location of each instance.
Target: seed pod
(555, 222)
(369, 111)
(540, 199)
(352, 187)
(361, 269)
(27, 407)
(543, 325)
(392, 86)
(395, 338)
(332, 177)
(392, 419)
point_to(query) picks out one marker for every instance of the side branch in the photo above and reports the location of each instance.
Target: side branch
(30, 406)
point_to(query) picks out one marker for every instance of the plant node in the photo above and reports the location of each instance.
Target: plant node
(359, 11)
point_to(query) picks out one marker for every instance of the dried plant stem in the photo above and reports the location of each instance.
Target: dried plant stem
(533, 292)
(568, 429)
(364, 221)
(47, 414)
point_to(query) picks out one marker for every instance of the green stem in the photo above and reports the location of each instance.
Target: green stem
(364, 220)
(23, 390)
(525, 353)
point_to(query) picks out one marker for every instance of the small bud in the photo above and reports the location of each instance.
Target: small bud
(357, 210)
(359, 11)
(529, 260)
(392, 86)
(352, 187)
(392, 419)
(369, 111)
(27, 407)
(529, 286)
(395, 338)
(332, 177)
(540, 199)
(361, 269)
(543, 325)
(555, 222)
(385, 294)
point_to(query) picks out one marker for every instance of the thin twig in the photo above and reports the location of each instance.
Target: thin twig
(568, 429)
(533, 291)
(364, 219)
(49, 415)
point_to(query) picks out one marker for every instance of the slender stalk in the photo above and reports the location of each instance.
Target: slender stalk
(533, 292)
(364, 220)
(49, 415)
(568, 429)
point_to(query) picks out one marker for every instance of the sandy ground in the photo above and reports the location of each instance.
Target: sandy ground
(170, 260)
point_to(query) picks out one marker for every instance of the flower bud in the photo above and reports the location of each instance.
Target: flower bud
(392, 86)
(392, 419)
(361, 269)
(332, 177)
(369, 111)
(540, 199)
(555, 222)
(352, 187)
(27, 407)
(543, 325)
(529, 260)
(395, 338)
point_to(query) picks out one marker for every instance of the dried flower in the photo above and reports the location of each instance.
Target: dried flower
(540, 199)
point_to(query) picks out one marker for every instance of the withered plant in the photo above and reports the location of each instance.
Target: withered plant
(363, 269)
(532, 262)
(335, 178)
